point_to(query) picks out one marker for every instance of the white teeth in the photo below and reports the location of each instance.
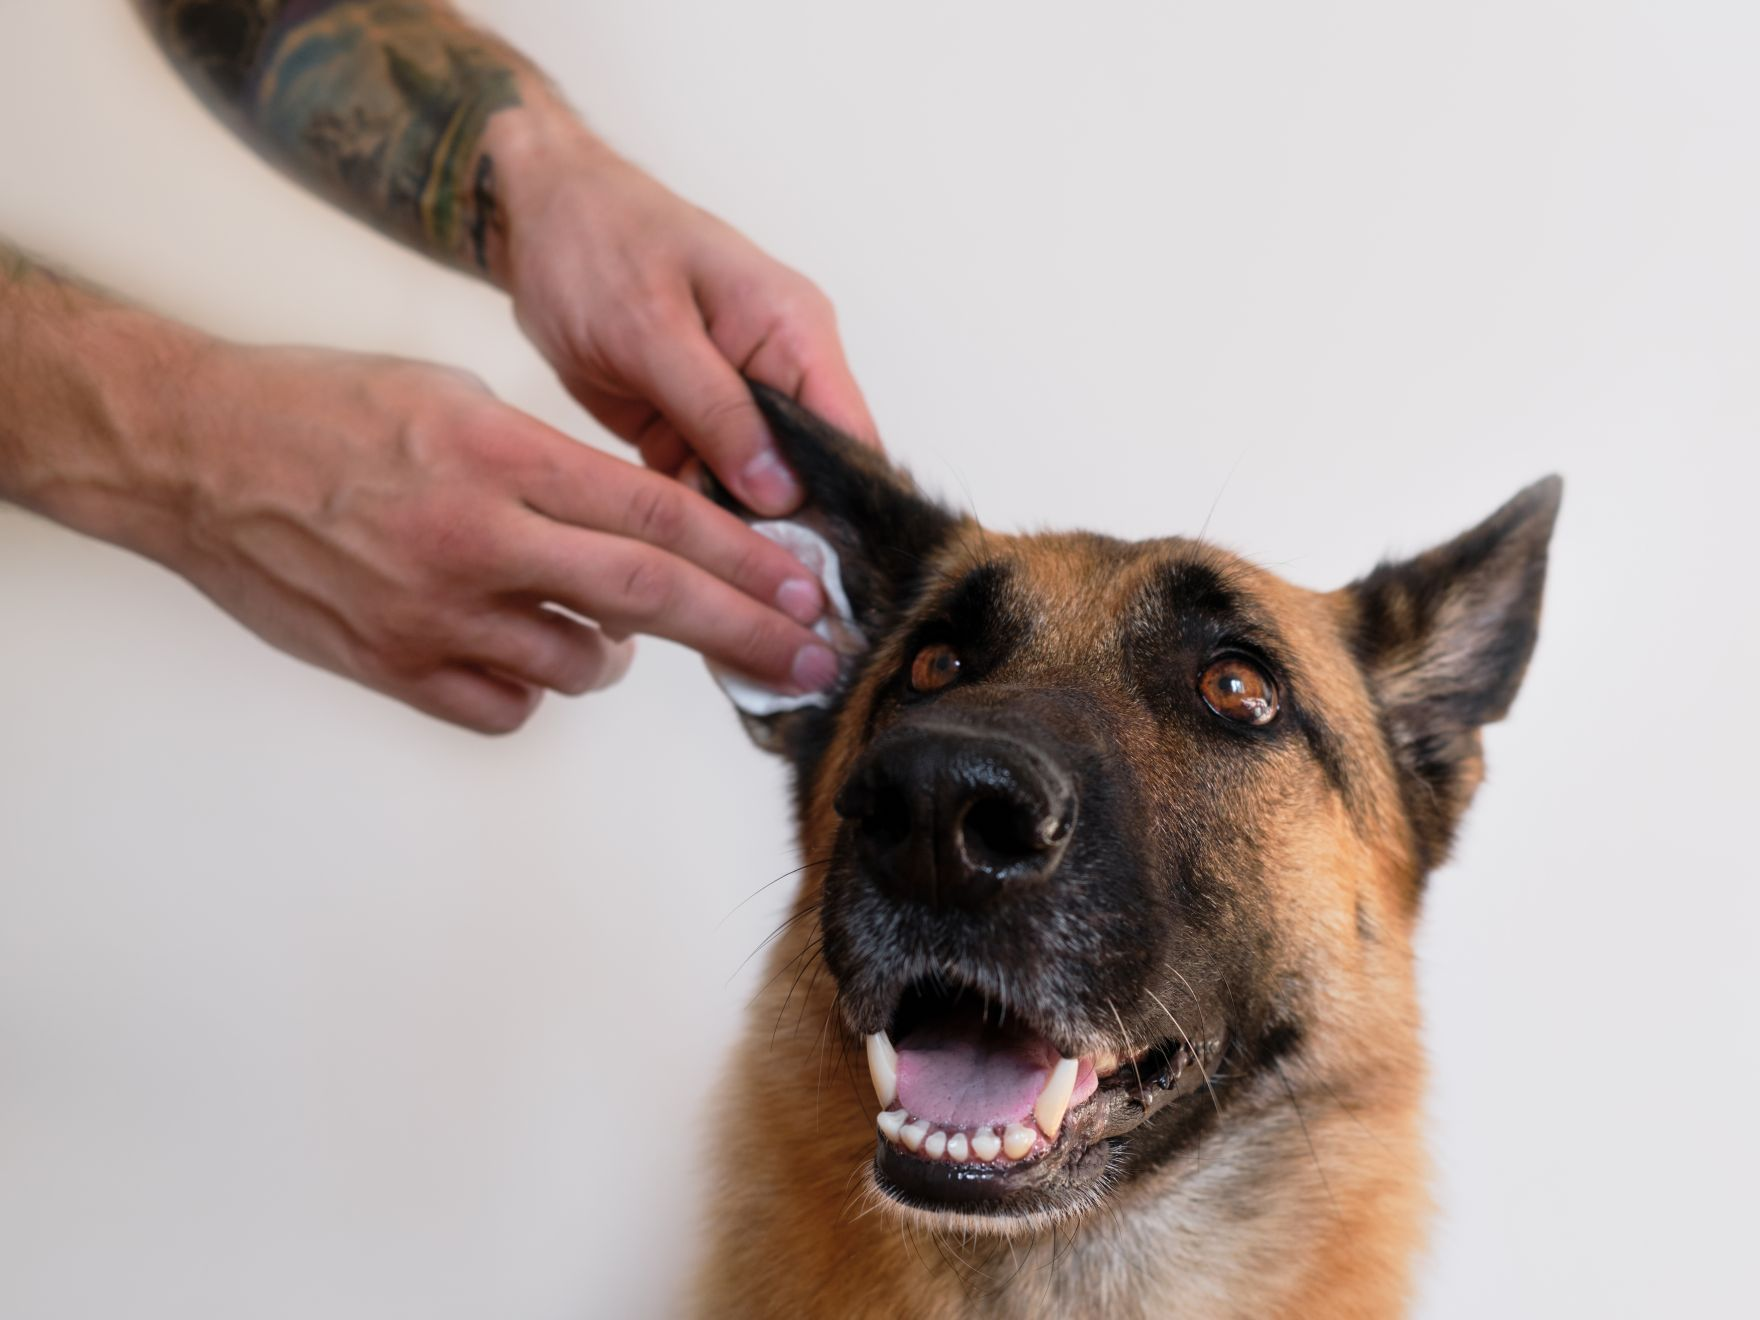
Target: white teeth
(883, 1068)
(937, 1143)
(1053, 1101)
(1105, 1064)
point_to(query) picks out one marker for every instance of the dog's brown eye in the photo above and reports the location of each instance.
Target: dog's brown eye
(1237, 689)
(934, 667)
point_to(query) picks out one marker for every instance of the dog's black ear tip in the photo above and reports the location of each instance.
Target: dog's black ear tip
(784, 412)
(1539, 502)
(770, 399)
(805, 438)
(1546, 495)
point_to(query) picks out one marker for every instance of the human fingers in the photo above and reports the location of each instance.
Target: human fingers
(628, 586)
(662, 448)
(547, 649)
(472, 698)
(710, 406)
(809, 366)
(637, 422)
(601, 493)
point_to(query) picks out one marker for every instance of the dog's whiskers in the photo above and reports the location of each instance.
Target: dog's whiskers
(806, 910)
(1197, 1003)
(1124, 1041)
(1307, 1136)
(811, 950)
(1190, 1049)
(778, 973)
(805, 866)
(812, 983)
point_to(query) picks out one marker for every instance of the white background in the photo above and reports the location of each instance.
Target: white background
(310, 1008)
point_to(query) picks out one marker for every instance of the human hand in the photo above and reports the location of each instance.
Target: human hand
(650, 310)
(395, 523)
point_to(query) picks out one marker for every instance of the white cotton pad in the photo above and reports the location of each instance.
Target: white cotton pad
(837, 625)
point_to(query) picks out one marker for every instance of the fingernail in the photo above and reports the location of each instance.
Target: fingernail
(801, 599)
(768, 486)
(815, 668)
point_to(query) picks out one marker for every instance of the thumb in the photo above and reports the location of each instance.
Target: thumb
(709, 405)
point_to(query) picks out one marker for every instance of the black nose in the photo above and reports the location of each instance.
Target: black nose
(951, 817)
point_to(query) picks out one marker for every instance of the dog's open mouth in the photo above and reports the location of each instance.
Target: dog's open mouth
(981, 1110)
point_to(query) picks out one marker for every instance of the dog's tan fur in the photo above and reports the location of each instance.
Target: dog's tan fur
(1307, 1197)
(1310, 1203)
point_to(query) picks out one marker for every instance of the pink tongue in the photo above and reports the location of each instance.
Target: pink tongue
(968, 1079)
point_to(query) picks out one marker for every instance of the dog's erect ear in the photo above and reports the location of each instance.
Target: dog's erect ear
(1444, 640)
(883, 527)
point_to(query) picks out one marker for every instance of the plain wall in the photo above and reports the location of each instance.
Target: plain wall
(312, 1008)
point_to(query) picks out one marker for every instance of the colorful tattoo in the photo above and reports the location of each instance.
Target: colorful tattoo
(380, 104)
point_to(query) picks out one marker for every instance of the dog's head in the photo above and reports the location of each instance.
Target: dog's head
(1115, 835)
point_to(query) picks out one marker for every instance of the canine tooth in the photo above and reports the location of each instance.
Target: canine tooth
(883, 1068)
(912, 1134)
(891, 1122)
(1054, 1099)
(1017, 1140)
(986, 1145)
(959, 1150)
(934, 1144)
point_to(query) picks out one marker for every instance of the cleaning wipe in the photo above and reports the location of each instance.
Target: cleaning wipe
(837, 626)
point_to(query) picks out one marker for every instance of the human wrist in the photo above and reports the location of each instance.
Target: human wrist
(534, 147)
(95, 442)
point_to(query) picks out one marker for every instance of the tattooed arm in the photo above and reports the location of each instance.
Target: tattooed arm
(381, 107)
(391, 520)
(388, 520)
(445, 138)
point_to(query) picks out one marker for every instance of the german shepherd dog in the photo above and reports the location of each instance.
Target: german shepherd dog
(1097, 996)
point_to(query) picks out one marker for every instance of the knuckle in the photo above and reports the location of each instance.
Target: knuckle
(754, 567)
(657, 512)
(722, 417)
(761, 648)
(455, 543)
(649, 587)
(490, 441)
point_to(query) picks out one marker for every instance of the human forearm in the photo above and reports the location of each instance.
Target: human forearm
(385, 106)
(389, 520)
(649, 308)
(87, 387)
